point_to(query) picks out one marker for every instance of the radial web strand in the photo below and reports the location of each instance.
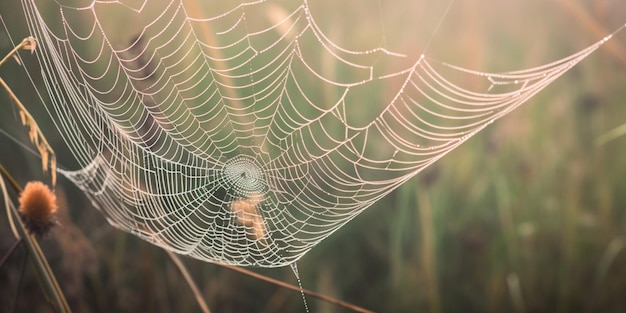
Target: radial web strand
(226, 137)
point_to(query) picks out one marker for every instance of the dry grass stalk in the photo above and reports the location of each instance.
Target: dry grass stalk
(307, 292)
(48, 158)
(39, 204)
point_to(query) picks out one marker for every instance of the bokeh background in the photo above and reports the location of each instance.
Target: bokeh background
(527, 216)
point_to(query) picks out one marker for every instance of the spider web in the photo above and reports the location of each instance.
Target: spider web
(227, 136)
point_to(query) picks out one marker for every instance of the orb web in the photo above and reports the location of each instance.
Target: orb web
(221, 131)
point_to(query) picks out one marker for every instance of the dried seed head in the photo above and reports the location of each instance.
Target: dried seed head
(37, 208)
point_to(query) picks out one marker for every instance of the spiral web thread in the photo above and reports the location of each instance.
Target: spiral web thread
(225, 138)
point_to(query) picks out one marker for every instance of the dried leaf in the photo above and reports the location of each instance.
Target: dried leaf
(44, 158)
(32, 134)
(23, 117)
(32, 44)
(53, 169)
(17, 59)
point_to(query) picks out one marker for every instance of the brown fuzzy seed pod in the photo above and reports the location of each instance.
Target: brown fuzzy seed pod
(37, 208)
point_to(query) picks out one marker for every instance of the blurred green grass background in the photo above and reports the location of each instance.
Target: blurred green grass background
(527, 216)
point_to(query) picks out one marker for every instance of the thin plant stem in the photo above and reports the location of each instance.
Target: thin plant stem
(583, 17)
(310, 293)
(611, 135)
(40, 140)
(10, 179)
(616, 246)
(27, 43)
(7, 200)
(35, 134)
(11, 251)
(19, 282)
(429, 250)
(194, 288)
(44, 272)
